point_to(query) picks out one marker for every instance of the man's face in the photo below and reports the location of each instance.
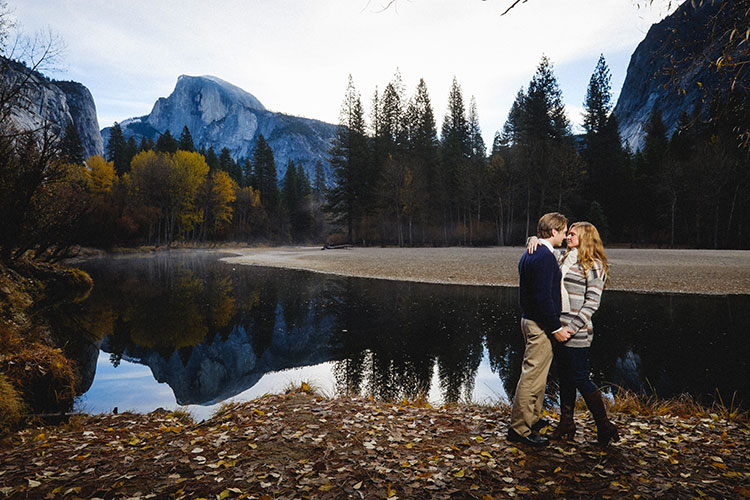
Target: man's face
(558, 236)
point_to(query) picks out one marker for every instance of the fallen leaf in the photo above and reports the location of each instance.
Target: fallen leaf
(391, 491)
(326, 487)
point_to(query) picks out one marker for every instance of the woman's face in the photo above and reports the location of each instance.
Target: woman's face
(572, 237)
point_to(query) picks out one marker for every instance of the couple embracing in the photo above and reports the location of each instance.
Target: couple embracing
(558, 295)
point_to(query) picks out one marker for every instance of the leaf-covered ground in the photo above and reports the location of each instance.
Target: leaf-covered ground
(302, 446)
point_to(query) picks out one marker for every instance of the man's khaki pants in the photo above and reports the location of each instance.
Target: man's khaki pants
(537, 357)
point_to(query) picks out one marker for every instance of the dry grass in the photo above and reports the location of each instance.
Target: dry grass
(684, 406)
(182, 416)
(11, 406)
(304, 387)
(40, 373)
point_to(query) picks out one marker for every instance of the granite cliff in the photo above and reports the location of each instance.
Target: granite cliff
(222, 115)
(43, 101)
(672, 68)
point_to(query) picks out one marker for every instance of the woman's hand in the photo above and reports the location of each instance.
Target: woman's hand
(531, 243)
(563, 334)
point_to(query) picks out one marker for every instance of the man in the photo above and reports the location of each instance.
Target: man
(539, 297)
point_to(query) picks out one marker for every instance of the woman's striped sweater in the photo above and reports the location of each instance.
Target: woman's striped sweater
(585, 293)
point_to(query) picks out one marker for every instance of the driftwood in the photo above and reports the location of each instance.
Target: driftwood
(336, 247)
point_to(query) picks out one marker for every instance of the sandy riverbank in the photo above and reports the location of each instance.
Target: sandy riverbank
(648, 270)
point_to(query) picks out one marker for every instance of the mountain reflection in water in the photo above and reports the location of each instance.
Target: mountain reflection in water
(211, 330)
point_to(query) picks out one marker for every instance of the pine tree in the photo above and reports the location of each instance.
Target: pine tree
(166, 143)
(289, 193)
(264, 176)
(247, 172)
(319, 183)
(117, 150)
(228, 165)
(602, 148)
(349, 157)
(389, 148)
(645, 190)
(296, 200)
(147, 144)
(455, 152)
(212, 159)
(131, 149)
(186, 140)
(71, 149)
(474, 177)
(423, 150)
(546, 147)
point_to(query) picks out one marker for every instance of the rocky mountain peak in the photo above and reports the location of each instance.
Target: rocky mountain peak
(222, 115)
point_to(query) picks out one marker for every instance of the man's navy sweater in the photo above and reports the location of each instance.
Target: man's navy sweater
(539, 288)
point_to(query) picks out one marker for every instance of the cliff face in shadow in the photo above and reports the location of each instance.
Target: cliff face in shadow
(674, 67)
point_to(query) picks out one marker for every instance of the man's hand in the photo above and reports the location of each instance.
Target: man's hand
(531, 244)
(563, 334)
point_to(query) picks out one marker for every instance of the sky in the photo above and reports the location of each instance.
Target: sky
(295, 56)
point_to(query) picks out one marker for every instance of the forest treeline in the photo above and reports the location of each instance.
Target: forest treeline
(398, 182)
(395, 180)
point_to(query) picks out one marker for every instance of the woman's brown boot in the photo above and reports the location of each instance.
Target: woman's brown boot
(566, 428)
(606, 431)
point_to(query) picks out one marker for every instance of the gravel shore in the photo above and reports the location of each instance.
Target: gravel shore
(715, 272)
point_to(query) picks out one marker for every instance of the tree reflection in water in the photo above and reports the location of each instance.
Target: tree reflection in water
(211, 330)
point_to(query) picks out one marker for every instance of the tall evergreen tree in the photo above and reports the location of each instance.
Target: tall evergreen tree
(297, 202)
(147, 144)
(186, 140)
(474, 176)
(645, 193)
(349, 157)
(71, 149)
(319, 183)
(455, 152)
(166, 143)
(131, 149)
(264, 176)
(247, 172)
(212, 159)
(602, 148)
(423, 150)
(546, 145)
(117, 150)
(227, 164)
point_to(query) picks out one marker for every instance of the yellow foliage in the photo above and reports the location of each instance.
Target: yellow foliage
(148, 178)
(223, 190)
(101, 174)
(187, 174)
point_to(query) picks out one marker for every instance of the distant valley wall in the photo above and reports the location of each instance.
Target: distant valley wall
(56, 104)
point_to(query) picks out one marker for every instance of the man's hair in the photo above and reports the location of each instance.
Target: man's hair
(550, 221)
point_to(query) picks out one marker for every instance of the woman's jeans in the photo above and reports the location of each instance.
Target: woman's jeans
(573, 372)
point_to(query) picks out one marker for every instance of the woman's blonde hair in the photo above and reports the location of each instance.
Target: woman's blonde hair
(590, 248)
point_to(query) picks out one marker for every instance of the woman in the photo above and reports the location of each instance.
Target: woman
(584, 270)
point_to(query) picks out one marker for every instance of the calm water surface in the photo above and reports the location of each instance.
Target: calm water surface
(185, 329)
